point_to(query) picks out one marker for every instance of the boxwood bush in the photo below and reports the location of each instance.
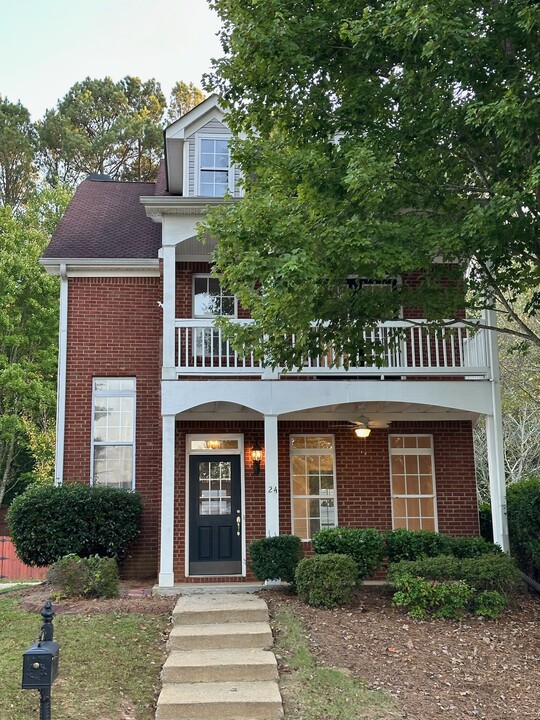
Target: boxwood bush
(49, 522)
(470, 547)
(364, 545)
(404, 544)
(274, 558)
(327, 580)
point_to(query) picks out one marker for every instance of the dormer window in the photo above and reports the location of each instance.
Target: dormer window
(215, 172)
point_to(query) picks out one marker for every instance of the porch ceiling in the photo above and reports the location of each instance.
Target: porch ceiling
(380, 414)
(193, 249)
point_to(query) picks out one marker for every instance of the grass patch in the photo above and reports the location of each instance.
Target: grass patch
(311, 692)
(109, 664)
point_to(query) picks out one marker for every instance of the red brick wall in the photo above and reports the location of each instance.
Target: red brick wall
(114, 329)
(363, 477)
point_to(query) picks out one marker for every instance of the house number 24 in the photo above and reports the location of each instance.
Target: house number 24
(272, 489)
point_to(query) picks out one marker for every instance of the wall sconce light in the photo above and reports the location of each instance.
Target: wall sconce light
(256, 455)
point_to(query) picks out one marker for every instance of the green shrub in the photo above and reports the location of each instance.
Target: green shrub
(327, 580)
(91, 577)
(48, 523)
(489, 604)
(404, 544)
(364, 545)
(276, 557)
(470, 547)
(523, 502)
(423, 597)
(442, 567)
(486, 525)
(492, 572)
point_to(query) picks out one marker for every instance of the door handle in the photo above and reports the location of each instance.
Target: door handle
(238, 522)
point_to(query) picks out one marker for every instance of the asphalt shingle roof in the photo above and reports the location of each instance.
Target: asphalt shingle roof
(106, 220)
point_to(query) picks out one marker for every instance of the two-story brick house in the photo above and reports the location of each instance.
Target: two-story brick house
(222, 449)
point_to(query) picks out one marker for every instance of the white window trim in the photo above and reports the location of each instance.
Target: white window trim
(312, 451)
(114, 393)
(198, 153)
(414, 451)
(207, 317)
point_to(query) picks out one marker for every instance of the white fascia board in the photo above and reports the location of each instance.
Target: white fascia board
(178, 128)
(158, 206)
(104, 267)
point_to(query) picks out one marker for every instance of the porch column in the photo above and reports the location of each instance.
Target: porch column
(166, 574)
(497, 483)
(271, 476)
(169, 312)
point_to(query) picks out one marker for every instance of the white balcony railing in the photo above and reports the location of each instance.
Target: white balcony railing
(410, 349)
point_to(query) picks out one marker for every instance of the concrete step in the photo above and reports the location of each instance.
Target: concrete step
(205, 609)
(230, 700)
(193, 666)
(221, 635)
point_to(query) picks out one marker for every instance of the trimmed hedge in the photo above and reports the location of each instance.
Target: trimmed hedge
(523, 503)
(364, 545)
(48, 523)
(493, 572)
(327, 580)
(274, 558)
(404, 544)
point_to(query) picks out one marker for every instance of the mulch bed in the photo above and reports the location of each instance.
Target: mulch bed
(486, 669)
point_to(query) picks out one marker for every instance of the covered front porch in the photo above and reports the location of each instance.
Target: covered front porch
(212, 428)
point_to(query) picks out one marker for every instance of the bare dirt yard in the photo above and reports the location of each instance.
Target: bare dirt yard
(486, 669)
(437, 669)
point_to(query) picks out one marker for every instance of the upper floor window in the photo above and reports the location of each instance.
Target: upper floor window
(210, 299)
(113, 432)
(215, 172)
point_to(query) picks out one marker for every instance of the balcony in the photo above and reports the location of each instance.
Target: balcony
(410, 350)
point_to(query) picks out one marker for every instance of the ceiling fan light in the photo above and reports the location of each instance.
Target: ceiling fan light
(362, 431)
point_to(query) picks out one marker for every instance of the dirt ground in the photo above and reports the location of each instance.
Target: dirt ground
(435, 669)
(438, 669)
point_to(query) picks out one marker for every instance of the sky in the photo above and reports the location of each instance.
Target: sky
(49, 45)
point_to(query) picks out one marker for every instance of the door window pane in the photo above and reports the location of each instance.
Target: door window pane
(215, 488)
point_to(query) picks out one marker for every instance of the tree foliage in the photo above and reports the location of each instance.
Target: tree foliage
(17, 150)
(184, 97)
(28, 330)
(379, 138)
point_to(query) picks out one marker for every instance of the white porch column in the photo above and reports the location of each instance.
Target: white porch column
(169, 302)
(497, 483)
(166, 574)
(61, 379)
(271, 474)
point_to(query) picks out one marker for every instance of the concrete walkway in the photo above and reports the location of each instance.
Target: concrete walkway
(220, 663)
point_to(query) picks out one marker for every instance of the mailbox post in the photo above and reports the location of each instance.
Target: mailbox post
(40, 663)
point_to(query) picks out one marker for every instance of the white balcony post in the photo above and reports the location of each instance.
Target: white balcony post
(166, 573)
(494, 434)
(271, 474)
(169, 303)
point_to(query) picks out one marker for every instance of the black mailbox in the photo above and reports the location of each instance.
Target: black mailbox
(40, 665)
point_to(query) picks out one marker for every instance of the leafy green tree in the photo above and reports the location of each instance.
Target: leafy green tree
(17, 148)
(102, 126)
(184, 97)
(380, 137)
(28, 334)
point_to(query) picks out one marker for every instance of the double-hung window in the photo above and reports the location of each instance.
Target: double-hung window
(412, 479)
(210, 300)
(215, 172)
(313, 484)
(113, 432)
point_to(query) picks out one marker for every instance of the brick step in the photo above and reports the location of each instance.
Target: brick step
(221, 635)
(228, 700)
(216, 608)
(193, 666)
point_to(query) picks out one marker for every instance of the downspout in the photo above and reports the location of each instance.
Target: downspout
(61, 378)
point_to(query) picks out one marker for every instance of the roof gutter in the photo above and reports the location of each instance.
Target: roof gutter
(61, 378)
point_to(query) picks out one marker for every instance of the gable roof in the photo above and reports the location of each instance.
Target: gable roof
(106, 220)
